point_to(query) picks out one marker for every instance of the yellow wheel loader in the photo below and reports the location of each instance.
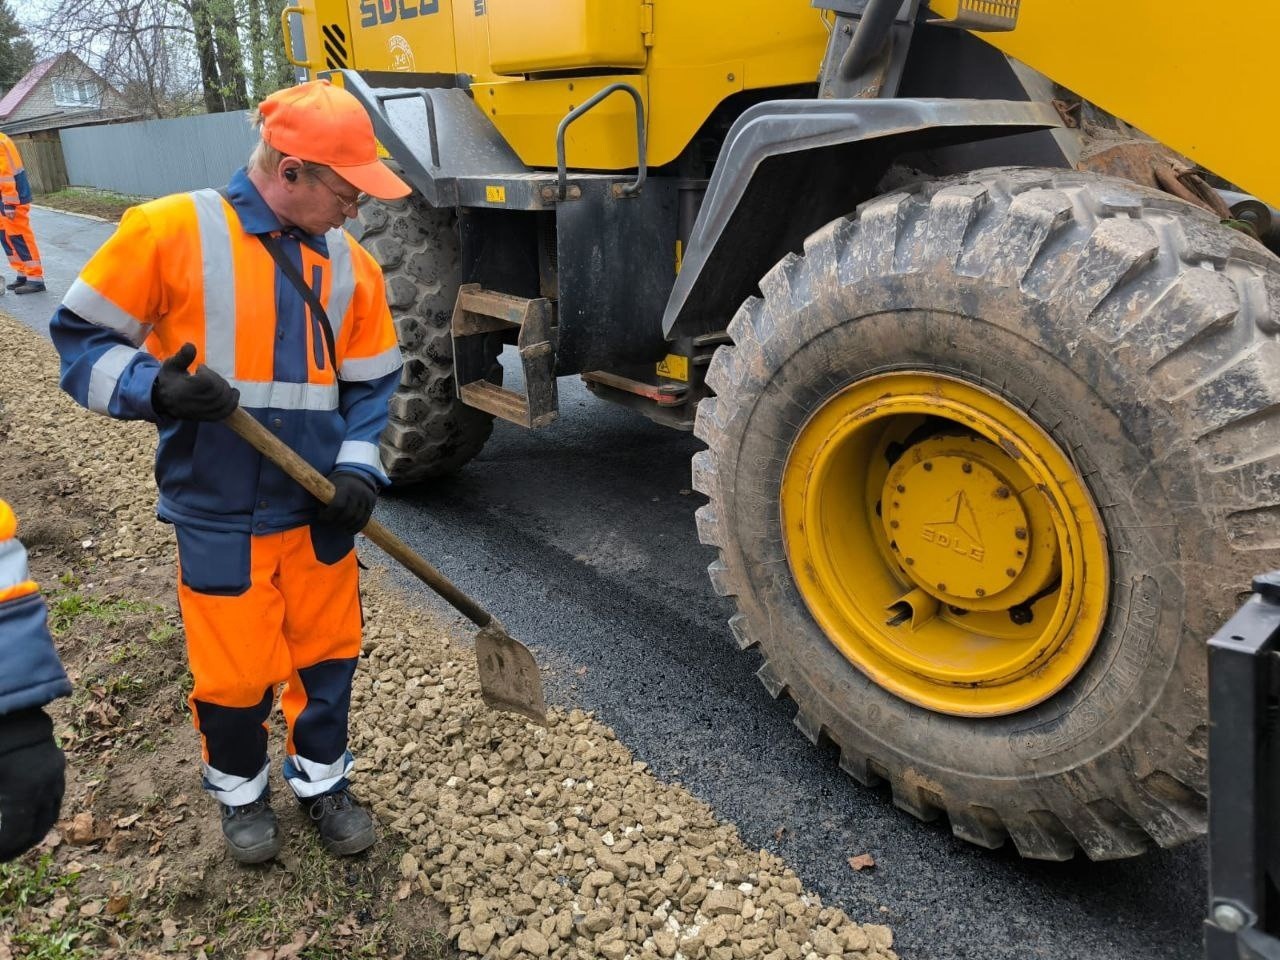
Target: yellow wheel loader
(988, 379)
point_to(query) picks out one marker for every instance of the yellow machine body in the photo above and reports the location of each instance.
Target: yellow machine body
(1167, 68)
(1191, 76)
(531, 63)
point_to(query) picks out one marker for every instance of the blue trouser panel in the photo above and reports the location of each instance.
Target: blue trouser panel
(235, 737)
(320, 732)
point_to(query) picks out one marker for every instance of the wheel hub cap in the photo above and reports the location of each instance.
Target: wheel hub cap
(945, 544)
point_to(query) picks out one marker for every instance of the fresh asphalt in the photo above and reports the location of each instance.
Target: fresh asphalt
(580, 537)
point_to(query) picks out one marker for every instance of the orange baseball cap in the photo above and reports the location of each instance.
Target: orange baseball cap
(325, 124)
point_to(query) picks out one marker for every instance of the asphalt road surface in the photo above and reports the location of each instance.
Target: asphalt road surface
(580, 537)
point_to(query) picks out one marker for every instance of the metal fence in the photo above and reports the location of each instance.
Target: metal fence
(151, 158)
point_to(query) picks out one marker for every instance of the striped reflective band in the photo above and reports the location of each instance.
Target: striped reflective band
(274, 394)
(232, 790)
(105, 374)
(218, 277)
(342, 286)
(370, 368)
(360, 452)
(88, 304)
(13, 564)
(316, 778)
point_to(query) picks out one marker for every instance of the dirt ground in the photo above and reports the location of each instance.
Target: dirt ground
(136, 867)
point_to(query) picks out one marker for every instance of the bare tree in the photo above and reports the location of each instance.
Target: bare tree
(141, 47)
(168, 55)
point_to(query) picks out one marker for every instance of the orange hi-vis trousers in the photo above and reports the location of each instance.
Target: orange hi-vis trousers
(260, 611)
(19, 243)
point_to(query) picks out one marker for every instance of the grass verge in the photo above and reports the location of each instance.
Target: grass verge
(98, 203)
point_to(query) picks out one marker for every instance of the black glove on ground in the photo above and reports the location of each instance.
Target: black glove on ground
(202, 395)
(31, 780)
(353, 498)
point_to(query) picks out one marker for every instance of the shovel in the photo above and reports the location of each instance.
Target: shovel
(509, 678)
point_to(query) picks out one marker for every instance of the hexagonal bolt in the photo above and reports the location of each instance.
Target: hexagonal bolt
(1002, 493)
(966, 467)
(901, 489)
(1021, 533)
(942, 587)
(980, 592)
(1011, 573)
(893, 524)
(1021, 615)
(928, 465)
(910, 561)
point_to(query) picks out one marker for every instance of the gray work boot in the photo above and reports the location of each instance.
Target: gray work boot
(251, 831)
(345, 826)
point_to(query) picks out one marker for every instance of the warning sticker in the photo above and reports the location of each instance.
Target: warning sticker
(674, 367)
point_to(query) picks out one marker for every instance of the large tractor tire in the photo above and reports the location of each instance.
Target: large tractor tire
(987, 465)
(430, 432)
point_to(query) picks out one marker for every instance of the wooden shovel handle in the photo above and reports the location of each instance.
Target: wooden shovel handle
(284, 457)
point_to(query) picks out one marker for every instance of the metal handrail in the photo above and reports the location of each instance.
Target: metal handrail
(431, 116)
(642, 167)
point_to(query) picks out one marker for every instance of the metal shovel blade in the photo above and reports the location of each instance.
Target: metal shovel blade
(509, 678)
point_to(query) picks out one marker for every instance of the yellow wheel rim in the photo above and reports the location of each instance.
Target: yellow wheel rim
(945, 544)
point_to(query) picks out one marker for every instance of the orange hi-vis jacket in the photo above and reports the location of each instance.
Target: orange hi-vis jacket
(15, 188)
(30, 674)
(189, 268)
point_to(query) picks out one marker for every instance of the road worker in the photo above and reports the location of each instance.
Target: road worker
(16, 236)
(186, 311)
(31, 765)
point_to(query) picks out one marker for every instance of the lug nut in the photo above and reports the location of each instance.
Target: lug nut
(942, 587)
(967, 467)
(1021, 615)
(928, 465)
(1002, 493)
(1021, 533)
(1011, 573)
(980, 592)
(901, 488)
(893, 524)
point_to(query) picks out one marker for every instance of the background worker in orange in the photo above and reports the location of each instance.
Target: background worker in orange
(31, 765)
(15, 222)
(268, 580)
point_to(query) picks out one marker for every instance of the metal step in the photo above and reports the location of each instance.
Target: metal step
(479, 313)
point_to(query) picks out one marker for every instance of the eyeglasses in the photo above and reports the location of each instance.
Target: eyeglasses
(350, 207)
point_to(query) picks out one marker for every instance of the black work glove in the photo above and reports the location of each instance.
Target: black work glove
(31, 780)
(353, 498)
(202, 395)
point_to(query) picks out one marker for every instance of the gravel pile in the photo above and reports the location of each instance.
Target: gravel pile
(540, 842)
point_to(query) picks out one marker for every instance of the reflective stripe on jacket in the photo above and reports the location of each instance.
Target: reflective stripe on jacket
(189, 268)
(30, 673)
(15, 188)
